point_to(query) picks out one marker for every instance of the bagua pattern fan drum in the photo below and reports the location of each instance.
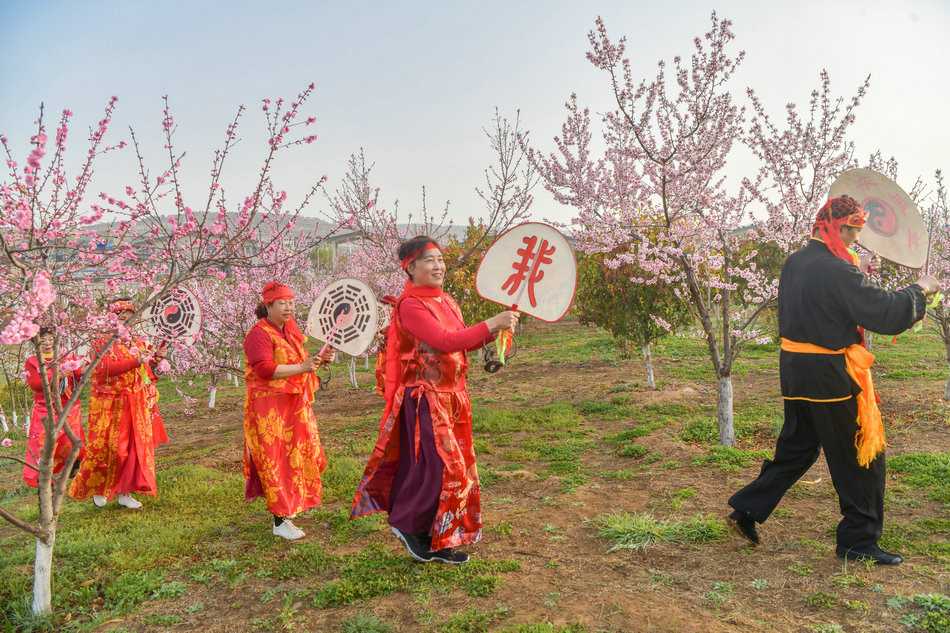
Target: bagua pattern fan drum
(382, 316)
(175, 316)
(345, 316)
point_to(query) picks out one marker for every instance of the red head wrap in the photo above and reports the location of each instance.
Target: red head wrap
(838, 212)
(271, 293)
(274, 291)
(121, 306)
(411, 257)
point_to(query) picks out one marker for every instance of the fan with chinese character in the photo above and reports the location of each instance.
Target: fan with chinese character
(530, 268)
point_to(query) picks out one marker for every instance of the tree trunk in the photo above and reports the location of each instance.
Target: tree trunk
(42, 575)
(3, 421)
(213, 391)
(351, 369)
(727, 432)
(651, 382)
(366, 362)
(946, 389)
(43, 564)
(869, 341)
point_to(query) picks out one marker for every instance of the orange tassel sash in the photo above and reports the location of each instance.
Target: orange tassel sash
(869, 440)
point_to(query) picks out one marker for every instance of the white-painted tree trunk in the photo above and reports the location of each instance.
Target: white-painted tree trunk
(648, 358)
(869, 341)
(351, 370)
(42, 576)
(366, 362)
(16, 422)
(727, 432)
(213, 392)
(3, 422)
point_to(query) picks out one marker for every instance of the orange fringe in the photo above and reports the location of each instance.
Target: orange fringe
(869, 440)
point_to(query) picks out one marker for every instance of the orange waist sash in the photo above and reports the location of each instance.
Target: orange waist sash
(869, 440)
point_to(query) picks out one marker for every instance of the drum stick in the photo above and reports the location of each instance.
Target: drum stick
(339, 320)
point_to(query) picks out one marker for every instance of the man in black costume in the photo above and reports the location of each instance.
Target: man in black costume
(824, 304)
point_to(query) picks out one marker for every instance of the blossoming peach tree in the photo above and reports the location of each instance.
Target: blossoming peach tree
(65, 253)
(228, 308)
(657, 197)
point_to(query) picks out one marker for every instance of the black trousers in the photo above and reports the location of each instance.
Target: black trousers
(810, 427)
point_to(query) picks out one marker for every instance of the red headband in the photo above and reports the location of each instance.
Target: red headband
(412, 257)
(274, 291)
(836, 213)
(121, 306)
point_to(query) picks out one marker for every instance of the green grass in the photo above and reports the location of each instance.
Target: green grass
(731, 459)
(366, 623)
(124, 555)
(936, 613)
(633, 450)
(375, 571)
(554, 417)
(614, 409)
(542, 627)
(474, 620)
(928, 471)
(637, 531)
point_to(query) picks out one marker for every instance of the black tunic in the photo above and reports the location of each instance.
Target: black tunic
(822, 300)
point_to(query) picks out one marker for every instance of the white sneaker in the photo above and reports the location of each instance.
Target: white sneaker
(288, 531)
(100, 501)
(128, 501)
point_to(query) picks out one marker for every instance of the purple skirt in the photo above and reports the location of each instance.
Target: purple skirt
(417, 483)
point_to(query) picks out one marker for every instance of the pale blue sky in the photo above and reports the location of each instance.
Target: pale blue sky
(414, 83)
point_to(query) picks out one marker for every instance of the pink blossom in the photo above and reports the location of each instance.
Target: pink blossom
(6, 442)
(71, 365)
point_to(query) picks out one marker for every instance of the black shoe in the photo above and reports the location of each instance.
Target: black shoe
(448, 555)
(744, 526)
(869, 554)
(415, 544)
(76, 465)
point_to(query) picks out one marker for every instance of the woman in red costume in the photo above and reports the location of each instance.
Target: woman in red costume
(422, 471)
(120, 453)
(37, 435)
(283, 457)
